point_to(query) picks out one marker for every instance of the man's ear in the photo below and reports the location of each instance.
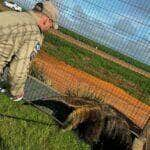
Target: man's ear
(38, 7)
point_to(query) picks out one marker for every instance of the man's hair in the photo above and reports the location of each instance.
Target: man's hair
(38, 7)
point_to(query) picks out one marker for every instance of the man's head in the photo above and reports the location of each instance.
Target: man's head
(47, 15)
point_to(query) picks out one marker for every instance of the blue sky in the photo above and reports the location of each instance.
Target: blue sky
(127, 19)
(110, 11)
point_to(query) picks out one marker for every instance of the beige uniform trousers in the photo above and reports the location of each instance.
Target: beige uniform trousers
(20, 40)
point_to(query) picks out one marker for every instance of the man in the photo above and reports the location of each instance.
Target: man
(21, 36)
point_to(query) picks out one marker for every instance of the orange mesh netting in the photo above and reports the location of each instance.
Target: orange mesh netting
(63, 77)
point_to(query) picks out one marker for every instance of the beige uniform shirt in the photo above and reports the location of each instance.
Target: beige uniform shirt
(20, 39)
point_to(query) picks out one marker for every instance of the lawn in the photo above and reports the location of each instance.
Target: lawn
(133, 83)
(105, 49)
(32, 130)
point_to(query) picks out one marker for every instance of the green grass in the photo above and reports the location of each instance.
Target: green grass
(106, 49)
(134, 83)
(22, 134)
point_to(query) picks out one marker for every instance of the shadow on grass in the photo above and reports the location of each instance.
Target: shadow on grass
(3, 145)
(60, 110)
(23, 119)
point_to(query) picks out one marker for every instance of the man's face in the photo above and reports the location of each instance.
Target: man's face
(45, 23)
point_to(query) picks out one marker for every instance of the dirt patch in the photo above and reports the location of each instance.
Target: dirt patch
(100, 53)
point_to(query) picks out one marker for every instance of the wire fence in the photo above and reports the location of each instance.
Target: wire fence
(121, 25)
(134, 84)
(118, 24)
(65, 78)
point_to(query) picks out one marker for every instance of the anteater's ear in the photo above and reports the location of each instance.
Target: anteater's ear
(38, 7)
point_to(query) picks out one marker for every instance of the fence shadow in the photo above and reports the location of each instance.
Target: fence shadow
(24, 119)
(60, 110)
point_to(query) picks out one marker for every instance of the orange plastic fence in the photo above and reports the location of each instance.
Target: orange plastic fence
(64, 77)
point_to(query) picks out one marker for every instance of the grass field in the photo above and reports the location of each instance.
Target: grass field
(33, 130)
(106, 49)
(134, 83)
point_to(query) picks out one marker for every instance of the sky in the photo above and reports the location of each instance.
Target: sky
(123, 25)
(110, 11)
